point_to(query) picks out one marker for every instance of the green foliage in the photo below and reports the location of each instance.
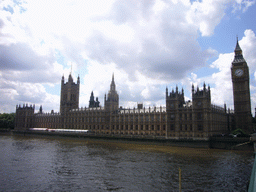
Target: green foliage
(7, 120)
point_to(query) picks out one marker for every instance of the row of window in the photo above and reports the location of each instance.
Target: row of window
(187, 116)
(72, 97)
(138, 127)
(186, 127)
(120, 127)
(83, 119)
(102, 119)
(146, 118)
(137, 118)
(115, 119)
(47, 120)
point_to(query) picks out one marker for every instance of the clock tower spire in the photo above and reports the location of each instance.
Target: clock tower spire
(241, 91)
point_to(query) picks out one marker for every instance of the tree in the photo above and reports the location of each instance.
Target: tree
(7, 120)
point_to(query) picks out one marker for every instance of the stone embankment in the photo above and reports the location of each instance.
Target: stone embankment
(239, 143)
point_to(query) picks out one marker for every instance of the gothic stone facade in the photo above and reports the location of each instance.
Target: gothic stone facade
(196, 119)
(179, 119)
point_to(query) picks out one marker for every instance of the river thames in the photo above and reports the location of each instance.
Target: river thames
(67, 164)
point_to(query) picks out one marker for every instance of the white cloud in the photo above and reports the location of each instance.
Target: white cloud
(207, 14)
(248, 44)
(13, 93)
(147, 44)
(243, 5)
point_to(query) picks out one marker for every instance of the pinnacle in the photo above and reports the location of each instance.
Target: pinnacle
(238, 48)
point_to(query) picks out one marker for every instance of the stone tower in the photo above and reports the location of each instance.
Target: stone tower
(174, 101)
(112, 101)
(241, 91)
(69, 97)
(201, 110)
(201, 98)
(24, 116)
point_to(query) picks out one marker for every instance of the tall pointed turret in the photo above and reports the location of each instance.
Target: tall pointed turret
(41, 109)
(78, 80)
(112, 102)
(238, 54)
(70, 78)
(62, 79)
(238, 48)
(113, 85)
(91, 101)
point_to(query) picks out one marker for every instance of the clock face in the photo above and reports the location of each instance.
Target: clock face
(239, 72)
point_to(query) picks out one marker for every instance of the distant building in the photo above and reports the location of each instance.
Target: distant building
(179, 119)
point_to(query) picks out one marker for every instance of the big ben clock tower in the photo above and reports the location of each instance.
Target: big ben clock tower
(241, 91)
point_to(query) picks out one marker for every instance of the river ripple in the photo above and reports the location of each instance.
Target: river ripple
(65, 164)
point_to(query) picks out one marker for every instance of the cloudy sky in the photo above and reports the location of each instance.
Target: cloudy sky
(147, 44)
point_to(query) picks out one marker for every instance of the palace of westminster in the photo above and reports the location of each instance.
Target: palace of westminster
(179, 119)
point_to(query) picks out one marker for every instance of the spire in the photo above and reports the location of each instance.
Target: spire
(70, 78)
(238, 48)
(97, 103)
(112, 102)
(91, 101)
(62, 79)
(112, 85)
(71, 69)
(78, 80)
(238, 53)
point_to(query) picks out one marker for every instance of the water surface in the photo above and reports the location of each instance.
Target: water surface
(66, 164)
